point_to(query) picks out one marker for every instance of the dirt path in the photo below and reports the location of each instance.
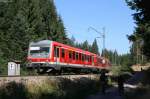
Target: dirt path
(136, 78)
(112, 93)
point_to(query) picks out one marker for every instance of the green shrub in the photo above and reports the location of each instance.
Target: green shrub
(119, 70)
(3, 67)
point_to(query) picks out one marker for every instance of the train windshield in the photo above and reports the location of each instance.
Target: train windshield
(39, 52)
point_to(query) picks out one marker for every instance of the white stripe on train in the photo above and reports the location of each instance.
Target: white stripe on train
(72, 65)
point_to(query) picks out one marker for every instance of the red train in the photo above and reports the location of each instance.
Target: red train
(49, 56)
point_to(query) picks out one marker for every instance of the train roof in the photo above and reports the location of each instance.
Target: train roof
(48, 42)
(43, 42)
(74, 48)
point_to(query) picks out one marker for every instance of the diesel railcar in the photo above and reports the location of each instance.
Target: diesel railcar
(49, 56)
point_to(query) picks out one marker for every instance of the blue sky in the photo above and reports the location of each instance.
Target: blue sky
(114, 15)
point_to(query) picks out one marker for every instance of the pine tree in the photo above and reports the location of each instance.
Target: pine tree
(49, 18)
(32, 13)
(61, 31)
(54, 27)
(85, 45)
(19, 38)
(115, 54)
(95, 48)
(7, 13)
(3, 68)
(72, 41)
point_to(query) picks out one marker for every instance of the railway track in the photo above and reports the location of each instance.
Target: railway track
(38, 78)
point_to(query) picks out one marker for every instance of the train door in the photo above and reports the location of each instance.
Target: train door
(92, 60)
(77, 57)
(83, 59)
(70, 56)
(57, 54)
(62, 55)
(80, 61)
(73, 57)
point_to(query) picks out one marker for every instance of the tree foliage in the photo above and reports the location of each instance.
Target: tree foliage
(94, 47)
(23, 21)
(142, 19)
(117, 59)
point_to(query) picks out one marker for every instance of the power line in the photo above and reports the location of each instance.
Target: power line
(102, 35)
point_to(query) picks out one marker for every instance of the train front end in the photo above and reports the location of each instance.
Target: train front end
(39, 54)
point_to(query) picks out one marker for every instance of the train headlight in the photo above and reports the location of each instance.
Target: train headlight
(103, 61)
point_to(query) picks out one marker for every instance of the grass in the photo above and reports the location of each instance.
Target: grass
(61, 89)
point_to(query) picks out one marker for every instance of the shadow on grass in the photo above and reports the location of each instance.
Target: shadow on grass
(13, 90)
(79, 88)
(64, 89)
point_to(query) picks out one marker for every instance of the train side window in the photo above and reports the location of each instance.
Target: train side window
(77, 56)
(57, 52)
(70, 54)
(83, 57)
(73, 55)
(88, 58)
(62, 53)
(54, 51)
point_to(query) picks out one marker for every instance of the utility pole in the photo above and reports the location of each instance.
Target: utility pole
(137, 52)
(102, 35)
(103, 39)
